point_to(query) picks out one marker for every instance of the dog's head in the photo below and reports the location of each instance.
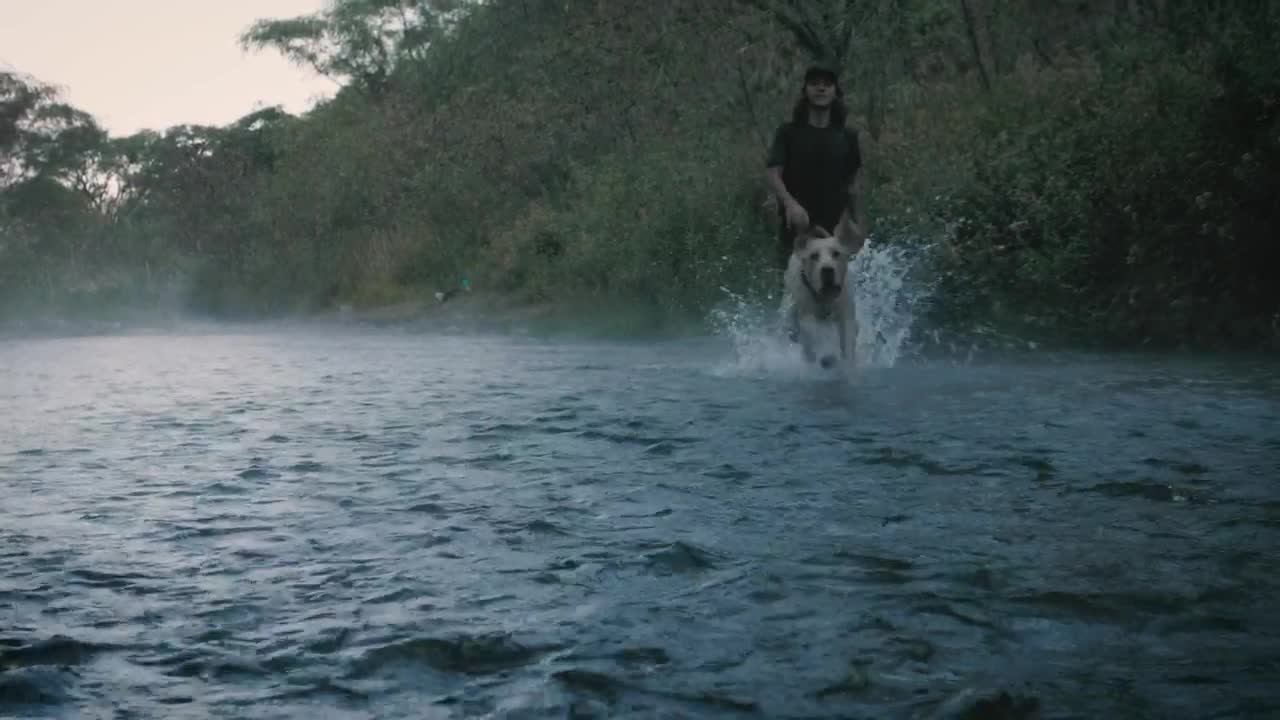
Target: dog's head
(824, 260)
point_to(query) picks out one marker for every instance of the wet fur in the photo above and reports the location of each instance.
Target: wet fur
(817, 281)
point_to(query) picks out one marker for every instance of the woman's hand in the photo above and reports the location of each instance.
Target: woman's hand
(797, 216)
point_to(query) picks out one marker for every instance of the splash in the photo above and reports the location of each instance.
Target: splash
(757, 334)
(885, 302)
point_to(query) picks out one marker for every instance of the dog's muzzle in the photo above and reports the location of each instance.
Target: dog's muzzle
(828, 276)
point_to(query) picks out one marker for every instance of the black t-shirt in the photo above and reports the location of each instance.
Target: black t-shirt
(817, 165)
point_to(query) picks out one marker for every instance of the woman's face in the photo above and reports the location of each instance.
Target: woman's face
(820, 90)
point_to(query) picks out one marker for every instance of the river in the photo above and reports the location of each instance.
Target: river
(349, 522)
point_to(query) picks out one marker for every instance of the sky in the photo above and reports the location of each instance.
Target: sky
(153, 64)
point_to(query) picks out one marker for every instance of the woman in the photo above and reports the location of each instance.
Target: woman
(815, 164)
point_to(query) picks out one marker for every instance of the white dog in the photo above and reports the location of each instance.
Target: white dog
(817, 282)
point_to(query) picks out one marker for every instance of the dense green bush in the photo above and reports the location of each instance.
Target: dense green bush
(1128, 199)
(668, 224)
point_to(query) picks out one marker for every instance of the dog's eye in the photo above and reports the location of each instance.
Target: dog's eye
(835, 254)
(813, 256)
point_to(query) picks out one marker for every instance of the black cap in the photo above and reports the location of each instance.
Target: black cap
(821, 70)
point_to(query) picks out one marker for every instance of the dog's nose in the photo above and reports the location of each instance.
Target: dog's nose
(828, 276)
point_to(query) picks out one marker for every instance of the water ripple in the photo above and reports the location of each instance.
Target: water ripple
(397, 524)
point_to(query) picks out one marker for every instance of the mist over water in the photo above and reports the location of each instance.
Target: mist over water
(360, 522)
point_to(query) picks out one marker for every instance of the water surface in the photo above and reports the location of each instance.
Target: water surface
(352, 523)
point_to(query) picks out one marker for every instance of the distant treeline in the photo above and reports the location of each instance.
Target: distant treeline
(1087, 170)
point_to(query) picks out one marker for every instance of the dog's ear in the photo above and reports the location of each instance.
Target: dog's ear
(850, 236)
(800, 240)
(804, 236)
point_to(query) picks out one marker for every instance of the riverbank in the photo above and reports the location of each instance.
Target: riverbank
(484, 312)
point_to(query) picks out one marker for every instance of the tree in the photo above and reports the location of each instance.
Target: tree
(20, 100)
(360, 41)
(823, 28)
(977, 24)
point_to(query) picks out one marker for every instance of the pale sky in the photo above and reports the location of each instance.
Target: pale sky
(136, 64)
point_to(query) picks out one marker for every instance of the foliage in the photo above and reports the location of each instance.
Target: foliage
(360, 41)
(1127, 199)
(659, 225)
(1091, 170)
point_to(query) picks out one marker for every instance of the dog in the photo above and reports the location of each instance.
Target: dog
(817, 283)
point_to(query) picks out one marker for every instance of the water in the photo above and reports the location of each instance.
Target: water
(353, 523)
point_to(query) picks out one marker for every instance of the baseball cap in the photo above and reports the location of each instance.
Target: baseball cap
(818, 70)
